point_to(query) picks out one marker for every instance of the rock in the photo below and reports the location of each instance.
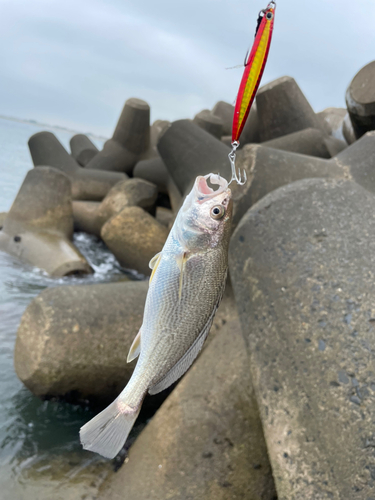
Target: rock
(85, 217)
(225, 112)
(156, 131)
(91, 216)
(134, 237)
(347, 130)
(332, 119)
(309, 141)
(155, 171)
(360, 160)
(360, 100)
(267, 169)
(206, 440)
(113, 158)
(163, 215)
(2, 219)
(83, 150)
(129, 193)
(227, 140)
(188, 151)
(39, 225)
(283, 109)
(45, 150)
(250, 133)
(133, 128)
(74, 340)
(301, 264)
(334, 145)
(209, 122)
(130, 140)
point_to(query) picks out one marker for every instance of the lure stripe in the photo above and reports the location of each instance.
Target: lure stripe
(253, 72)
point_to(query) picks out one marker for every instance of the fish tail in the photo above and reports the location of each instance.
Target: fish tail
(107, 432)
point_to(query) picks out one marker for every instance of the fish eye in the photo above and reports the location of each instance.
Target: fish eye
(269, 16)
(217, 212)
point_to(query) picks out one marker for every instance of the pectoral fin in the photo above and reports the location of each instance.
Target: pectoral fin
(135, 348)
(153, 264)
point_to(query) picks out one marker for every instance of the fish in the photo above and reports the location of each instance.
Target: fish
(186, 286)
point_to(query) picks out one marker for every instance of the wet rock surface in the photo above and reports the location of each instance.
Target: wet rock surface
(206, 440)
(134, 248)
(301, 263)
(74, 340)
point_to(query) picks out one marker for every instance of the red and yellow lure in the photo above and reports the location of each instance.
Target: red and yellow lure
(255, 63)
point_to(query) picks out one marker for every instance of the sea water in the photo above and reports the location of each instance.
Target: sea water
(40, 454)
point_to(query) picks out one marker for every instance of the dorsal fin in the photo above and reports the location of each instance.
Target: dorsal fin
(184, 363)
(135, 348)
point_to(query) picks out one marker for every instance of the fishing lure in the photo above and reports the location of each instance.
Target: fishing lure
(255, 62)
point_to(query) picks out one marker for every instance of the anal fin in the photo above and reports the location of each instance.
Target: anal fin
(135, 348)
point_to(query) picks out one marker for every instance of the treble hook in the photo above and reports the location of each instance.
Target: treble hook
(232, 158)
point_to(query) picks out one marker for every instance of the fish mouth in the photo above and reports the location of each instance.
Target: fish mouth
(204, 191)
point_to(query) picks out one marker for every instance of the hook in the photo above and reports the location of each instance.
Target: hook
(232, 158)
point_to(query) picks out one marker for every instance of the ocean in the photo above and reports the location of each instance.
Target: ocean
(40, 454)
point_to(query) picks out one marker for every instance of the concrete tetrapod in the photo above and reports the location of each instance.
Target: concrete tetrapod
(209, 122)
(74, 340)
(83, 150)
(301, 264)
(224, 111)
(91, 216)
(155, 171)
(267, 169)
(188, 151)
(309, 141)
(332, 119)
(250, 133)
(206, 440)
(360, 100)
(39, 225)
(45, 149)
(130, 140)
(283, 109)
(134, 237)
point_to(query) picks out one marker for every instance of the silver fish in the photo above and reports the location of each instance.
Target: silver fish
(186, 286)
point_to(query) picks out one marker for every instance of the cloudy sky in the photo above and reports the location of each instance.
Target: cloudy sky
(75, 62)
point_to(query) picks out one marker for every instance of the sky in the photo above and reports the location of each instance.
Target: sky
(74, 63)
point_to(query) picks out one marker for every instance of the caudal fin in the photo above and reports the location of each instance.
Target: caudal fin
(107, 432)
